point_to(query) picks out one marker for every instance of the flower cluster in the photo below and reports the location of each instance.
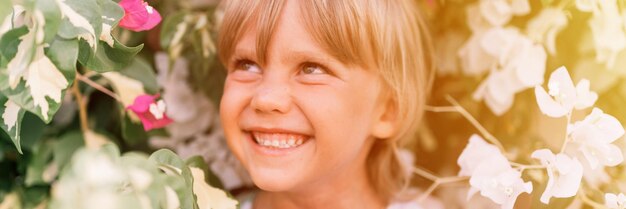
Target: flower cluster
(588, 144)
(513, 60)
(491, 173)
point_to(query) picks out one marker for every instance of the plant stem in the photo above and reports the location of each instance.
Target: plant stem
(566, 140)
(82, 106)
(456, 107)
(523, 167)
(424, 173)
(436, 181)
(97, 86)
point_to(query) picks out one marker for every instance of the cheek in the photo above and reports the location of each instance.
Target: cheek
(341, 118)
(233, 102)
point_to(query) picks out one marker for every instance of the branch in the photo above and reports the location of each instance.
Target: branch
(436, 181)
(82, 106)
(456, 107)
(569, 120)
(523, 167)
(424, 173)
(97, 86)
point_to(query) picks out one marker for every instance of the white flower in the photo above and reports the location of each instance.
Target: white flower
(475, 20)
(491, 173)
(563, 96)
(500, 12)
(564, 174)
(497, 180)
(592, 137)
(473, 58)
(545, 26)
(607, 27)
(520, 65)
(476, 151)
(613, 201)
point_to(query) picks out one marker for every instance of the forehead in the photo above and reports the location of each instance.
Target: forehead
(289, 36)
(260, 25)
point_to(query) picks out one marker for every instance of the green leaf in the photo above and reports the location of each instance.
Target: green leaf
(65, 148)
(33, 196)
(37, 166)
(111, 150)
(2, 147)
(167, 159)
(82, 19)
(50, 73)
(173, 25)
(107, 58)
(9, 43)
(112, 13)
(53, 18)
(64, 54)
(21, 95)
(139, 69)
(207, 196)
(132, 133)
(32, 132)
(198, 162)
(11, 116)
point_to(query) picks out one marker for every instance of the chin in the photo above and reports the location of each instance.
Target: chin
(273, 181)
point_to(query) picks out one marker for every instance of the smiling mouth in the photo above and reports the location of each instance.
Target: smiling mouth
(279, 140)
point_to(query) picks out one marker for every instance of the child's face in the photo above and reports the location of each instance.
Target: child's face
(301, 95)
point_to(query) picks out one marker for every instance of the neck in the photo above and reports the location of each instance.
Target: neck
(348, 189)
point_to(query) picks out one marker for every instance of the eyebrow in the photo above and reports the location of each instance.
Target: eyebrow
(299, 55)
(291, 55)
(243, 52)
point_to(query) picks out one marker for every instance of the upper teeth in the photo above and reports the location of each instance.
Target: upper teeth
(278, 140)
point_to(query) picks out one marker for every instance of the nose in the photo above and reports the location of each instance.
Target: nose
(272, 97)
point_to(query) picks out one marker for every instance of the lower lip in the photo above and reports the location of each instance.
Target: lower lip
(271, 151)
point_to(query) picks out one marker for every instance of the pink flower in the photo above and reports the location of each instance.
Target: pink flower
(139, 16)
(151, 112)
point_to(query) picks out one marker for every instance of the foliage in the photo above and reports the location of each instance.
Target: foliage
(68, 75)
(566, 136)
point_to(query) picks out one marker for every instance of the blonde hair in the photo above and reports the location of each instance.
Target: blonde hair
(386, 35)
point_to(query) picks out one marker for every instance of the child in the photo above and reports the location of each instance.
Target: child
(319, 95)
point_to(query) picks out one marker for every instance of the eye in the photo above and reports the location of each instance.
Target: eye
(247, 65)
(313, 69)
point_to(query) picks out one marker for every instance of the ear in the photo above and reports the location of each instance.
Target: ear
(386, 121)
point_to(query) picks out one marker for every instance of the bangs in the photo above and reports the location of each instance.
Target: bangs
(338, 26)
(242, 14)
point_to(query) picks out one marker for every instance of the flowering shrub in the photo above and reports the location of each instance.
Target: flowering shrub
(558, 146)
(62, 57)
